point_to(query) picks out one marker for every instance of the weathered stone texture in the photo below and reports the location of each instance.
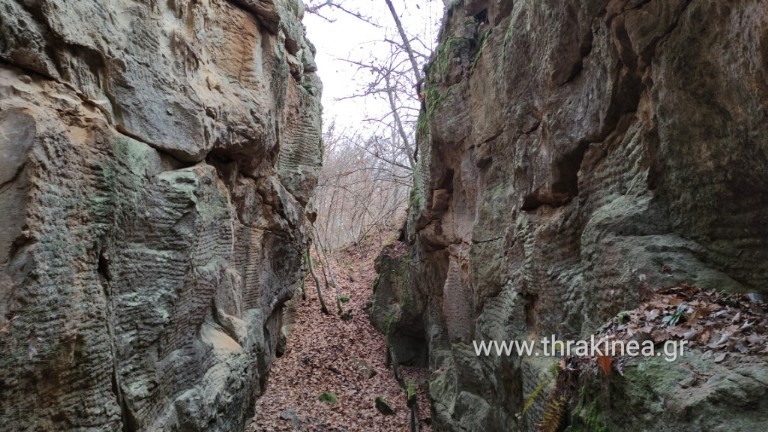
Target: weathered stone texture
(158, 160)
(575, 156)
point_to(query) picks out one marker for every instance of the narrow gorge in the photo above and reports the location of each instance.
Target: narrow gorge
(582, 168)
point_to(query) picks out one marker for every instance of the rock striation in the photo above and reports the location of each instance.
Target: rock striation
(158, 163)
(576, 156)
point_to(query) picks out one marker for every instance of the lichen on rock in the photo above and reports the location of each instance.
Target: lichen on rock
(159, 161)
(575, 157)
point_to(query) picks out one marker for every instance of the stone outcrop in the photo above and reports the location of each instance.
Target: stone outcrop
(395, 310)
(575, 157)
(158, 162)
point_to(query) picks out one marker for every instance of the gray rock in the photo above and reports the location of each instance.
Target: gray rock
(383, 406)
(698, 395)
(396, 311)
(575, 157)
(363, 368)
(297, 422)
(156, 163)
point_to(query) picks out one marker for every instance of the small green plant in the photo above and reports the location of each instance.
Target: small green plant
(531, 399)
(328, 397)
(554, 369)
(422, 124)
(554, 413)
(414, 201)
(623, 317)
(344, 298)
(445, 52)
(676, 316)
(434, 97)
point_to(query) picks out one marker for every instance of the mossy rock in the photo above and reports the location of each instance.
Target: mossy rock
(383, 406)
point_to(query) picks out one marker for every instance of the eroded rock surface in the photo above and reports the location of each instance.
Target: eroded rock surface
(158, 159)
(576, 156)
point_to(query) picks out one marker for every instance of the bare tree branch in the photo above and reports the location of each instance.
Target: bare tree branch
(315, 9)
(398, 123)
(406, 42)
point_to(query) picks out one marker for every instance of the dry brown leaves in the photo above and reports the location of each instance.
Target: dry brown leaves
(325, 353)
(730, 328)
(720, 325)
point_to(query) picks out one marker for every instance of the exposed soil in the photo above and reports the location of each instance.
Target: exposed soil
(327, 354)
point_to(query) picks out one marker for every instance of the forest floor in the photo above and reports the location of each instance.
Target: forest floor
(348, 358)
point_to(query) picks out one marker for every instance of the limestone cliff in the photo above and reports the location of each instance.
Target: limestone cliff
(576, 156)
(158, 159)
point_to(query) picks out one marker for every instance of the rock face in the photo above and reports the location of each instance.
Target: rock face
(158, 161)
(393, 311)
(575, 157)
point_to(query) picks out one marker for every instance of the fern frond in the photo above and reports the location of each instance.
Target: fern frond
(554, 413)
(531, 399)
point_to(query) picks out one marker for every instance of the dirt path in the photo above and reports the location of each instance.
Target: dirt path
(327, 354)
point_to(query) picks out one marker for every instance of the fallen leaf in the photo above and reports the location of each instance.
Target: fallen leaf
(674, 301)
(697, 313)
(691, 334)
(652, 315)
(605, 363)
(705, 335)
(678, 331)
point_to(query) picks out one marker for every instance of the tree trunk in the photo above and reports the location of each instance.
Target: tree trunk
(323, 308)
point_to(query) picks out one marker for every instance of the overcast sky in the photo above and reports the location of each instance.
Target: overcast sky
(349, 38)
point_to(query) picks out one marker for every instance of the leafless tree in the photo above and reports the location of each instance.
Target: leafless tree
(395, 79)
(358, 193)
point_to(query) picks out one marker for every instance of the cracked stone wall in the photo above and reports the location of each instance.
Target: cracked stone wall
(575, 156)
(157, 165)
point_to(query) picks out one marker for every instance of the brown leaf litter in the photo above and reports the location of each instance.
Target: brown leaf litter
(348, 358)
(721, 327)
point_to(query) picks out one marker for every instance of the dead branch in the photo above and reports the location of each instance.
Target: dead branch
(323, 308)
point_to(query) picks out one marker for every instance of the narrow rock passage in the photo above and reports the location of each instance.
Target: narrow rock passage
(327, 354)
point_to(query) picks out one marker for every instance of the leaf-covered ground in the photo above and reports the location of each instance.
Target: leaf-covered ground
(326, 354)
(729, 328)
(720, 325)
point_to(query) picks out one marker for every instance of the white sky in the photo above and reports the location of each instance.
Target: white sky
(349, 38)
